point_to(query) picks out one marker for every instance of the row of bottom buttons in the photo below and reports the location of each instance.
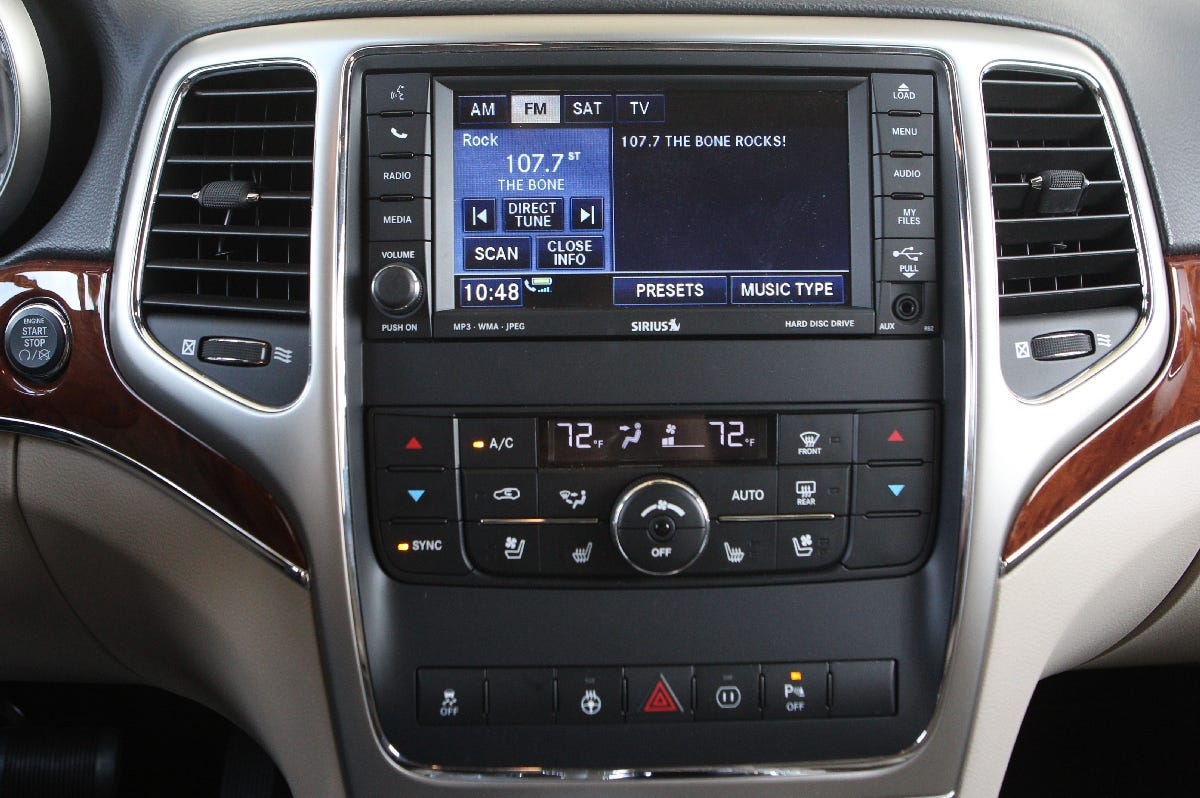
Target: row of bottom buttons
(506, 696)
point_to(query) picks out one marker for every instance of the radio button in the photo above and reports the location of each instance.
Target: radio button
(397, 176)
(413, 441)
(504, 549)
(804, 490)
(809, 545)
(893, 489)
(735, 491)
(398, 134)
(579, 493)
(416, 494)
(905, 218)
(818, 438)
(901, 175)
(499, 494)
(389, 93)
(907, 260)
(896, 435)
(882, 542)
(903, 93)
(404, 220)
(740, 547)
(497, 442)
(580, 550)
(904, 133)
(424, 548)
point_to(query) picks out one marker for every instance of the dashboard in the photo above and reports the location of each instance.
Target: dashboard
(671, 402)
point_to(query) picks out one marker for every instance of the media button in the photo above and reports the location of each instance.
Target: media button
(570, 252)
(479, 215)
(587, 213)
(641, 108)
(816, 438)
(787, 289)
(670, 291)
(482, 109)
(497, 253)
(727, 692)
(587, 108)
(533, 214)
(399, 221)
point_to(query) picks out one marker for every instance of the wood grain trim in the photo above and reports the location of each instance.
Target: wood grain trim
(91, 400)
(1169, 405)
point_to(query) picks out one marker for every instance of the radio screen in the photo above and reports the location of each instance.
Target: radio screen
(666, 198)
(673, 439)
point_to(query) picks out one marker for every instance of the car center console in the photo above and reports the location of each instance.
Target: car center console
(662, 442)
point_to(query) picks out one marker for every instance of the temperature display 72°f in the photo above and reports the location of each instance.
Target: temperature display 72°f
(657, 439)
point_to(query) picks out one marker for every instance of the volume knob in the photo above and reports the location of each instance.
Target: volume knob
(397, 289)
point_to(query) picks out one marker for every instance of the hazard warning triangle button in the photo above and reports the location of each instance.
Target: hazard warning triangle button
(659, 694)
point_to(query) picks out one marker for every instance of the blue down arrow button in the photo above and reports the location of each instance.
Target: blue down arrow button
(417, 494)
(895, 489)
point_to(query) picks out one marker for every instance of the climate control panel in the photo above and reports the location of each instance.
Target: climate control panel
(619, 497)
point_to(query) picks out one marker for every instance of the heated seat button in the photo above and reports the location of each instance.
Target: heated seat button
(893, 489)
(497, 442)
(413, 441)
(504, 549)
(809, 545)
(659, 695)
(424, 547)
(589, 695)
(896, 435)
(416, 494)
(727, 692)
(520, 696)
(734, 491)
(816, 438)
(863, 689)
(499, 493)
(881, 542)
(738, 547)
(580, 550)
(795, 691)
(450, 696)
(805, 491)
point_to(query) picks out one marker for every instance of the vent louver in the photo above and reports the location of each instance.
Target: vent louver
(1047, 136)
(229, 232)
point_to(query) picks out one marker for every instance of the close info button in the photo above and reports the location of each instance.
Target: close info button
(788, 289)
(674, 290)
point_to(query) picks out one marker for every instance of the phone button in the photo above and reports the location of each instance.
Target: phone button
(398, 134)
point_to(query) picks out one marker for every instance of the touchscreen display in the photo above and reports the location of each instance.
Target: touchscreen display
(678, 197)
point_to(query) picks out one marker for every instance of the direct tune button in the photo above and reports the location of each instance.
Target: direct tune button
(660, 525)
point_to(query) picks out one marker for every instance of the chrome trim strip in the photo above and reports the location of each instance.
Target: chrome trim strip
(784, 517)
(240, 534)
(134, 307)
(539, 521)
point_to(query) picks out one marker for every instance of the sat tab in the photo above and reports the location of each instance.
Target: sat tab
(584, 108)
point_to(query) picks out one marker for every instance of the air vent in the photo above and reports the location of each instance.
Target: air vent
(1064, 233)
(229, 233)
(228, 242)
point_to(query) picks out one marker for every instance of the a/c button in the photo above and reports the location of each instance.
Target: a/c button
(497, 442)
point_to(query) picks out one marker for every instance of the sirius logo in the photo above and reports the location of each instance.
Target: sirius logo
(671, 325)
